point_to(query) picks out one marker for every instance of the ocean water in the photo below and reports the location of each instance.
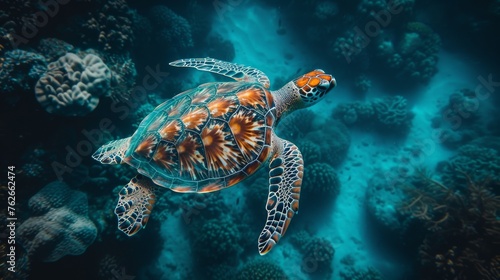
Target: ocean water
(401, 159)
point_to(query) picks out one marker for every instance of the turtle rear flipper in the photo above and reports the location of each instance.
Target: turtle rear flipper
(112, 152)
(285, 180)
(136, 202)
(238, 72)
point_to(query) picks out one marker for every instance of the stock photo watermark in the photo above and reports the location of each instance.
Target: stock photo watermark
(362, 37)
(94, 138)
(222, 7)
(48, 9)
(482, 92)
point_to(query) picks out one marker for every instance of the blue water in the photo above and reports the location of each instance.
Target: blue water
(401, 158)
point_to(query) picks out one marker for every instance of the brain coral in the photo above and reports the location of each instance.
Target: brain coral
(59, 225)
(72, 86)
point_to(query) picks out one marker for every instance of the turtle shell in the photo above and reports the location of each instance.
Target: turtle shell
(206, 138)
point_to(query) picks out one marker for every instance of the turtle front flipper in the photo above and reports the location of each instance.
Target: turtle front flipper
(285, 180)
(112, 152)
(238, 72)
(136, 202)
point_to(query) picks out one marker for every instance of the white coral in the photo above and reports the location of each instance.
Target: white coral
(72, 86)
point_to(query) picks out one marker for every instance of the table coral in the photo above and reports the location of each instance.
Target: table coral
(72, 86)
(59, 224)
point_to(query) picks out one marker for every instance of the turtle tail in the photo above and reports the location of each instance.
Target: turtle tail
(112, 152)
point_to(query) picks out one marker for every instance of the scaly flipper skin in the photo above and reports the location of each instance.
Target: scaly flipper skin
(112, 152)
(238, 72)
(285, 180)
(136, 201)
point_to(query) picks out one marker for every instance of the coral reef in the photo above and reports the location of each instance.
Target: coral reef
(462, 230)
(318, 257)
(20, 71)
(261, 270)
(59, 225)
(362, 84)
(334, 140)
(459, 121)
(326, 10)
(173, 32)
(389, 115)
(72, 86)
(215, 241)
(53, 48)
(414, 56)
(366, 274)
(382, 198)
(296, 124)
(320, 181)
(311, 152)
(393, 114)
(109, 26)
(480, 160)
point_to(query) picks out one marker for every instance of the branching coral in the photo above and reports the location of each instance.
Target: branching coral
(59, 225)
(72, 86)
(463, 231)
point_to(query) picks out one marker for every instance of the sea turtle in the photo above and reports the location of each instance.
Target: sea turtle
(214, 136)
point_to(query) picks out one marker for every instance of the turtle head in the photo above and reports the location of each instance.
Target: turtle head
(313, 86)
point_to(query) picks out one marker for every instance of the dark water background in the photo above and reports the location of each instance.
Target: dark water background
(402, 159)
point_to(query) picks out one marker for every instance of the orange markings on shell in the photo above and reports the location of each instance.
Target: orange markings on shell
(295, 205)
(165, 156)
(270, 99)
(170, 131)
(212, 187)
(264, 154)
(189, 155)
(251, 97)
(195, 117)
(221, 106)
(252, 167)
(178, 108)
(145, 148)
(235, 179)
(247, 132)
(182, 189)
(221, 153)
(201, 96)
